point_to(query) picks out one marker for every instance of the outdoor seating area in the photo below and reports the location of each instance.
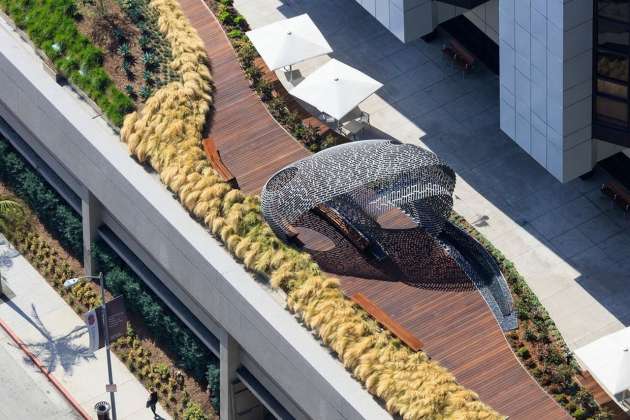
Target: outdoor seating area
(335, 89)
(607, 361)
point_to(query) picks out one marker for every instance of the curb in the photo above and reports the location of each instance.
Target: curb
(74, 403)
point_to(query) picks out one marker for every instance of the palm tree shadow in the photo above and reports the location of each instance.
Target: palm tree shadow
(55, 350)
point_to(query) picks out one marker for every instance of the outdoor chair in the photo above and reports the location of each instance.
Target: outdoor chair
(354, 123)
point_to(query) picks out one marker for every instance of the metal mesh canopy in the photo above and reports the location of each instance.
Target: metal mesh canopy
(375, 175)
(341, 193)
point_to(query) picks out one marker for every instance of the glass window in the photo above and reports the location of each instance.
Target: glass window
(613, 36)
(613, 66)
(614, 9)
(612, 111)
(613, 89)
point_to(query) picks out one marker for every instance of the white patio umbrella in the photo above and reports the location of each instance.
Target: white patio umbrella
(336, 88)
(289, 41)
(608, 360)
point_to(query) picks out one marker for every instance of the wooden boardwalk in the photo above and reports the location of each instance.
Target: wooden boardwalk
(252, 144)
(456, 327)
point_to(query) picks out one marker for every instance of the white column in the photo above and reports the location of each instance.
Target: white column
(229, 358)
(91, 217)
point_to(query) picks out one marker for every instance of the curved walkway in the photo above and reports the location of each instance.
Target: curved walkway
(252, 144)
(457, 327)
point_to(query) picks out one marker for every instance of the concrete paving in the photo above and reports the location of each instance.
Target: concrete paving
(572, 247)
(58, 337)
(26, 392)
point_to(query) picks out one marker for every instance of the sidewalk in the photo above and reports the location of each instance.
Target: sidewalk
(572, 248)
(57, 336)
(26, 392)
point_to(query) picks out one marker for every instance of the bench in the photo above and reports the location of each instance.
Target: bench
(618, 194)
(349, 231)
(384, 319)
(214, 156)
(460, 55)
(292, 237)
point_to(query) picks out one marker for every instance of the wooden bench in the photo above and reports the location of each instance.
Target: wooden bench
(460, 55)
(618, 194)
(349, 231)
(292, 237)
(384, 319)
(214, 156)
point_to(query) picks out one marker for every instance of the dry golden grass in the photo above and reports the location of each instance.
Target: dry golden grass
(167, 135)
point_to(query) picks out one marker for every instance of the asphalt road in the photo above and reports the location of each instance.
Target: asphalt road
(25, 393)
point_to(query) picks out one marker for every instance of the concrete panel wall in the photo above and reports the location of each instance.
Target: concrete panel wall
(209, 281)
(407, 19)
(546, 55)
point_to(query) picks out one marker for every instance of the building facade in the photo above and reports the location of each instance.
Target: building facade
(563, 70)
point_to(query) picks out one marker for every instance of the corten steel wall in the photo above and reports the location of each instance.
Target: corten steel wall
(194, 266)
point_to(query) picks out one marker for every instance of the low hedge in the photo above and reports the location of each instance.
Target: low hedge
(51, 25)
(65, 225)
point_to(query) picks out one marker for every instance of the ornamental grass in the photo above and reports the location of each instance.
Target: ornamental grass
(167, 133)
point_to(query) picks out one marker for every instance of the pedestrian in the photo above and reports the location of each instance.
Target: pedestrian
(152, 401)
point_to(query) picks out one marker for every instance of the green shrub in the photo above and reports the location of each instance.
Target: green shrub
(235, 34)
(523, 353)
(194, 412)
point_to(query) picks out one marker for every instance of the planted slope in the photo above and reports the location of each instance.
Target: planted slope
(51, 25)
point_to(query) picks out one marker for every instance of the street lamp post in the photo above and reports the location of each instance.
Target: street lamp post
(68, 284)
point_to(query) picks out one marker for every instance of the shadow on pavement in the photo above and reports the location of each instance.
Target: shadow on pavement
(55, 350)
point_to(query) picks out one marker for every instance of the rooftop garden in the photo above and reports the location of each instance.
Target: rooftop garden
(166, 131)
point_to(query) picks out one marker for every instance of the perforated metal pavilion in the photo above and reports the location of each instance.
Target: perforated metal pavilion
(342, 197)
(376, 175)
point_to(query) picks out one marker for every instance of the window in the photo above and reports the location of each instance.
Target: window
(611, 71)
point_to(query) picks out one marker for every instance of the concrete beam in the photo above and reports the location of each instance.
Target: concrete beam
(229, 357)
(91, 218)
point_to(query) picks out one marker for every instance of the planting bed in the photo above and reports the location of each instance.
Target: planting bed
(136, 54)
(538, 343)
(52, 27)
(51, 240)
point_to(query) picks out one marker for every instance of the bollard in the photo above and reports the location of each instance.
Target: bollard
(102, 410)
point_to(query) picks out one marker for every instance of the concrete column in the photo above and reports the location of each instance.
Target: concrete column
(91, 216)
(229, 362)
